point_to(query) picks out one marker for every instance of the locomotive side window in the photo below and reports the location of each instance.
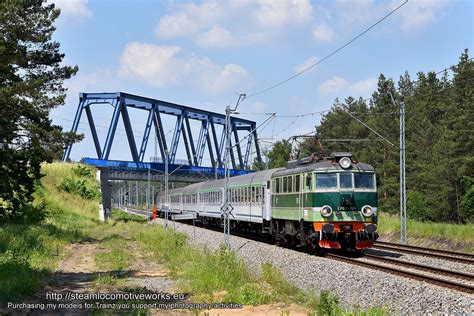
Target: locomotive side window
(326, 180)
(345, 180)
(364, 181)
(308, 181)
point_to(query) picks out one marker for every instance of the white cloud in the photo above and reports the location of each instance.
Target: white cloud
(233, 22)
(155, 65)
(74, 8)
(417, 14)
(337, 84)
(280, 13)
(307, 63)
(217, 36)
(190, 19)
(161, 65)
(364, 86)
(176, 25)
(323, 33)
(333, 85)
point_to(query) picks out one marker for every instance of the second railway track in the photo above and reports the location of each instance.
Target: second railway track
(434, 253)
(456, 280)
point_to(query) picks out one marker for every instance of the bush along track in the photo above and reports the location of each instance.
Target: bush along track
(71, 249)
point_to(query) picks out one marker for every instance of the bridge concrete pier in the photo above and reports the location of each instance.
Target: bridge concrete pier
(105, 208)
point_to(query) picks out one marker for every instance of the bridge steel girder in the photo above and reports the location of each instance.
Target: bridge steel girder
(90, 118)
(159, 132)
(216, 146)
(237, 145)
(146, 135)
(122, 102)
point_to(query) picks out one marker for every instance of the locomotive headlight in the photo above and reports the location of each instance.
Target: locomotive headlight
(345, 162)
(367, 210)
(326, 211)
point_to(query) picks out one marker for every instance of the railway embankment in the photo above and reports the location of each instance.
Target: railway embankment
(446, 236)
(356, 286)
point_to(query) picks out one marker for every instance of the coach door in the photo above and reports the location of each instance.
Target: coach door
(299, 195)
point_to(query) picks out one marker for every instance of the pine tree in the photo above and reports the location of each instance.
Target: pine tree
(31, 84)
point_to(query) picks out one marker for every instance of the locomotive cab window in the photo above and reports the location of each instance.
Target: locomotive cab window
(326, 180)
(364, 180)
(308, 181)
(345, 180)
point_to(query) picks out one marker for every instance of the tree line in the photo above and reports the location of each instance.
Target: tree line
(439, 141)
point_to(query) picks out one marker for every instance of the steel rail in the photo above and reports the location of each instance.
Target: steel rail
(448, 252)
(423, 267)
(424, 253)
(409, 274)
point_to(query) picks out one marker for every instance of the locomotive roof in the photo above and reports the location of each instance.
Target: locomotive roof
(325, 165)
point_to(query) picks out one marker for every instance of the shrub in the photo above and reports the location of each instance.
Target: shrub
(80, 187)
(83, 171)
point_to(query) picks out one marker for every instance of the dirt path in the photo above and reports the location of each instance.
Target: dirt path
(77, 270)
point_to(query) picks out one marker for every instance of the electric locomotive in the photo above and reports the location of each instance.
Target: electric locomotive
(326, 202)
(317, 202)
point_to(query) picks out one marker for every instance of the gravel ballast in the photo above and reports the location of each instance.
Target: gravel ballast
(357, 287)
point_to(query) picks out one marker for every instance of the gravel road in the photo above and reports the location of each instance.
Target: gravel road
(356, 286)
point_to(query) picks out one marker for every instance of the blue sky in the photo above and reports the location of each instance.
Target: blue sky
(204, 53)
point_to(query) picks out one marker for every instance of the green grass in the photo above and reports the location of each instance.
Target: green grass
(29, 253)
(463, 235)
(115, 258)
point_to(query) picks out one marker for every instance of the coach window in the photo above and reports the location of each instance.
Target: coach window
(290, 184)
(285, 184)
(277, 185)
(297, 183)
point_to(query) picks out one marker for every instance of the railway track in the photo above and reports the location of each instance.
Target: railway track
(434, 253)
(452, 279)
(452, 284)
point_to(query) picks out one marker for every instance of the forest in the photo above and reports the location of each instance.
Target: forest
(439, 108)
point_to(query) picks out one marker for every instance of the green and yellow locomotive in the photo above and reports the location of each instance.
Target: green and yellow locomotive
(317, 202)
(326, 202)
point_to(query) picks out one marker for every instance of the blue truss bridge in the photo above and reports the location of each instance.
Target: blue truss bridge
(244, 136)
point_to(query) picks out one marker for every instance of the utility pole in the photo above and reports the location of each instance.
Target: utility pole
(227, 208)
(148, 192)
(403, 186)
(403, 195)
(167, 201)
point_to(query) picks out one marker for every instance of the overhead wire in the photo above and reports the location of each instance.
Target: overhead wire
(329, 55)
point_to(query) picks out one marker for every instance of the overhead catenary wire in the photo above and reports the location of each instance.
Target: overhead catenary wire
(329, 55)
